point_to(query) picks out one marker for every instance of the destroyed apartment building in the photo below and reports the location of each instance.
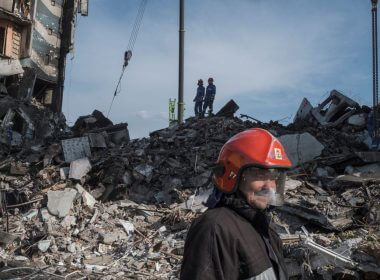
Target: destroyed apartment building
(35, 37)
(89, 203)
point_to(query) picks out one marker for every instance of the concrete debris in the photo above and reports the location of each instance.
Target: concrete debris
(79, 168)
(301, 148)
(128, 227)
(291, 185)
(44, 245)
(88, 199)
(335, 109)
(60, 202)
(94, 121)
(228, 110)
(357, 120)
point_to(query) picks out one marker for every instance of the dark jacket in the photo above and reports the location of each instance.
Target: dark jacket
(200, 94)
(232, 243)
(210, 93)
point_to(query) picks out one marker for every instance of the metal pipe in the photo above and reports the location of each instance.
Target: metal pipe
(337, 259)
(181, 59)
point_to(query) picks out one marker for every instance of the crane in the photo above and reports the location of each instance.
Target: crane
(130, 47)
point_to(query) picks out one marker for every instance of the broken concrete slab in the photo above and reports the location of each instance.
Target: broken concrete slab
(88, 199)
(98, 140)
(90, 122)
(112, 237)
(117, 134)
(335, 109)
(291, 184)
(301, 148)
(76, 148)
(228, 110)
(357, 120)
(10, 67)
(304, 111)
(79, 168)
(143, 171)
(61, 202)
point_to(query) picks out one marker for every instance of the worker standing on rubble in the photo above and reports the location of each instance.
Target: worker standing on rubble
(371, 128)
(210, 96)
(199, 98)
(233, 239)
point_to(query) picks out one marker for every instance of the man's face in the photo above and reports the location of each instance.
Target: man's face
(253, 182)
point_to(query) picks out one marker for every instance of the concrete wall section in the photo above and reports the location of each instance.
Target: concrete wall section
(45, 72)
(46, 40)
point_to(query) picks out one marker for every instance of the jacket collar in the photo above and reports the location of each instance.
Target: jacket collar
(258, 218)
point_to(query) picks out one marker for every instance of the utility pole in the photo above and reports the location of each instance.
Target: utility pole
(181, 59)
(375, 70)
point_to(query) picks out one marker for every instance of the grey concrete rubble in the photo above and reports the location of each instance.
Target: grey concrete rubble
(60, 202)
(335, 109)
(79, 168)
(301, 148)
(91, 200)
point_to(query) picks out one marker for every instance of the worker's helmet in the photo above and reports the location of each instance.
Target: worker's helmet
(253, 150)
(200, 82)
(211, 79)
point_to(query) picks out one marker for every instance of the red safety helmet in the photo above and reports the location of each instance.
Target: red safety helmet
(251, 148)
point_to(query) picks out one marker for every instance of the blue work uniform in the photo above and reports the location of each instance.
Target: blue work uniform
(371, 132)
(209, 99)
(199, 100)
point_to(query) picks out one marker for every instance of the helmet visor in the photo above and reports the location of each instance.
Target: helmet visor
(268, 184)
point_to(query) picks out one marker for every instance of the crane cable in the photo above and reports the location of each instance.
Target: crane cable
(130, 47)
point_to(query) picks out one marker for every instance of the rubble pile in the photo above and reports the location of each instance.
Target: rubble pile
(29, 123)
(93, 203)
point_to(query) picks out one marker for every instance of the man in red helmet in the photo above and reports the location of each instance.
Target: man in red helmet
(233, 239)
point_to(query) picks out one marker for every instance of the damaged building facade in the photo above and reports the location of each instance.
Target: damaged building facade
(35, 37)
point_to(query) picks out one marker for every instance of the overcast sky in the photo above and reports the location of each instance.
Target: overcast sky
(265, 54)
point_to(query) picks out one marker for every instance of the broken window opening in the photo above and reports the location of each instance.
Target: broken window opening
(47, 59)
(2, 40)
(43, 92)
